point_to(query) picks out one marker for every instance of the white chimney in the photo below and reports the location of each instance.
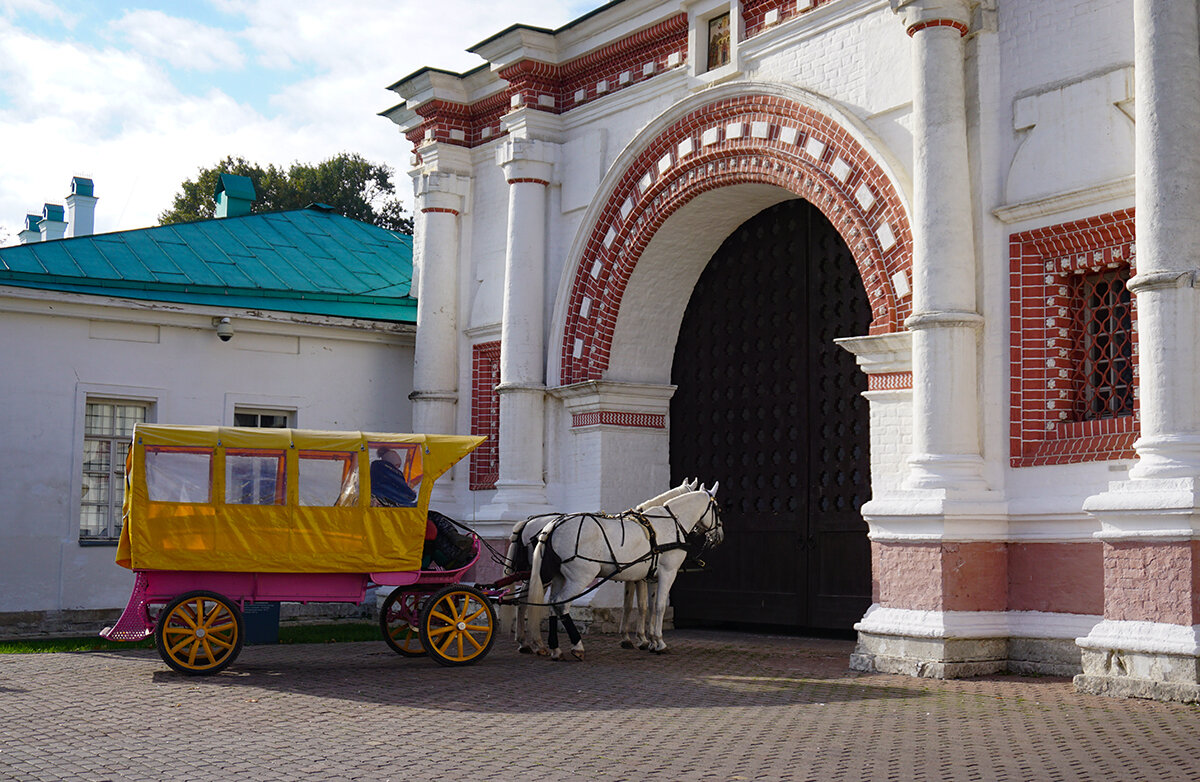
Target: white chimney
(52, 225)
(81, 208)
(31, 233)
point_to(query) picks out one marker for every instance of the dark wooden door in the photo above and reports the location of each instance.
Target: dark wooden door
(770, 407)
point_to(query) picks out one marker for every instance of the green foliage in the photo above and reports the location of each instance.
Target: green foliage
(352, 185)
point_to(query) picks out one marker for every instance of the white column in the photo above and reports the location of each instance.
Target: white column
(1167, 70)
(945, 323)
(440, 199)
(521, 489)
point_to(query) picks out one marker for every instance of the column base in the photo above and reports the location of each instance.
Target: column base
(931, 658)
(1128, 659)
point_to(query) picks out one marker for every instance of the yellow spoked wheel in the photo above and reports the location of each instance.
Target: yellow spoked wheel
(199, 633)
(400, 619)
(458, 625)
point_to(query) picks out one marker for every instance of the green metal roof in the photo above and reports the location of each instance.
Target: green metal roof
(307, 260)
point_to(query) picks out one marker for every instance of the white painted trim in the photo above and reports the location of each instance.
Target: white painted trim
(35, 301)
(1152, 637)
(913, 623)
(1117, 189)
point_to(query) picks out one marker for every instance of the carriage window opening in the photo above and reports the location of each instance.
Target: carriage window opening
(254, 477)
(328, 479)
(179, 474)
(396, 474)
(107, 431)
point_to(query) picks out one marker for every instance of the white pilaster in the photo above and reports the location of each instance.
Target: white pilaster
(521, 490)
(441, 196)
(946, 452)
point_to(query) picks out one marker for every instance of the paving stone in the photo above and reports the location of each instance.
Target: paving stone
(719, 706)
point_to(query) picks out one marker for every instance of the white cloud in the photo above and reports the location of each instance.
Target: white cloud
(183, 43)
(74, 107)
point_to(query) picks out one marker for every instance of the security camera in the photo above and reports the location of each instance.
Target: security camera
(224, 329)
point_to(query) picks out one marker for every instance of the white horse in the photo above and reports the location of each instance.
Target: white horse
(578, 548)
(520, 554)
(639, 589)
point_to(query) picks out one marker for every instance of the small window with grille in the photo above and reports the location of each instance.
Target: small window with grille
(1105, 345)
(107, 433)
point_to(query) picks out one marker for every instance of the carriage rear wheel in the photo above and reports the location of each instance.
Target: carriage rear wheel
(458, 625)
(199, 633)
(400, 620)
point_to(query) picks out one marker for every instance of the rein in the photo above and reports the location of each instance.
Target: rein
(694, 542)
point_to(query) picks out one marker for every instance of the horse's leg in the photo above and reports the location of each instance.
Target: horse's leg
(642, 587)
(627, 642)
(666, 577)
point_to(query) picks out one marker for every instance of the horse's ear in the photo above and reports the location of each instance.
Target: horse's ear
(702, 488)
(691, 485)
(713, 491)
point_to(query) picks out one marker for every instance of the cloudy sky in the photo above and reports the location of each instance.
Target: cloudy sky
(139, 95)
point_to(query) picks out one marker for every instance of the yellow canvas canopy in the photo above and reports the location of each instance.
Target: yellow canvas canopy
(278, 500)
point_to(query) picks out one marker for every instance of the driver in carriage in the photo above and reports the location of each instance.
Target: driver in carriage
(443, 543)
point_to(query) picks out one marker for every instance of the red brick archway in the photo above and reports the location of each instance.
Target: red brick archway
(755, 139)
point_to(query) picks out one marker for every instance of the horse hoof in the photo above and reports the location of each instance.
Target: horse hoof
(578, 655)
(556, 656)
(627, 644)
(525, 649)
(644, 646)
(543, 652)
(663, 650)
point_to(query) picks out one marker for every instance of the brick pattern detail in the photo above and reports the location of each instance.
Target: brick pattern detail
(616, 418)
(555, 88)
(1152, 582)
(889, 381)
(485, 415)
(748, 139)
(1044, 355)
(428, 209)
(754, 13)
(560, 88)
(918, 27)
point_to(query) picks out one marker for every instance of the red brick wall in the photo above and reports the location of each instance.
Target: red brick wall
(1042, 262)
(1056, 577)
(1152, 582)
(485, 414)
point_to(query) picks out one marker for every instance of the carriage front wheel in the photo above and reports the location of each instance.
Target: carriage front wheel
(458, 625)
(400, 619)
(199, 633)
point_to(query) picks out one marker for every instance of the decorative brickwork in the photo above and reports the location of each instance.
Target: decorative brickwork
(614, 418)
(755, 13)
(485, 415)
(1152, 582)
(748, 139)
(1048, 397)
(916, 28)
(889, 381)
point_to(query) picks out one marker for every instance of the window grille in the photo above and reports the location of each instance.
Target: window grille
(485, 415)
(1105, 329)
(261, 419)
(107, 433)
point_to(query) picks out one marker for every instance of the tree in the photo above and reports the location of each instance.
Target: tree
(352, 185)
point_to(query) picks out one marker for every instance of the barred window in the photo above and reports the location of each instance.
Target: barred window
(1105, 345)
(107, 433)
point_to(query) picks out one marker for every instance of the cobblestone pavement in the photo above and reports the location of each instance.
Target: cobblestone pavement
(721, 706)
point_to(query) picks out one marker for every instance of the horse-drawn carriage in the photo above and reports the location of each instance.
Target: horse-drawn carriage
(216, 518)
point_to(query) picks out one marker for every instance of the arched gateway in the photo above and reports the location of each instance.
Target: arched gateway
(757, 228)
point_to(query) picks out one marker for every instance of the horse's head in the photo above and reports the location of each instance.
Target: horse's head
(698, 513)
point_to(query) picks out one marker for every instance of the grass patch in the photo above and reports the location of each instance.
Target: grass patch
(288, 634)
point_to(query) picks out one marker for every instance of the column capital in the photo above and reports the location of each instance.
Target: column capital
(441, 191)
(920, 15)
(527, 159)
